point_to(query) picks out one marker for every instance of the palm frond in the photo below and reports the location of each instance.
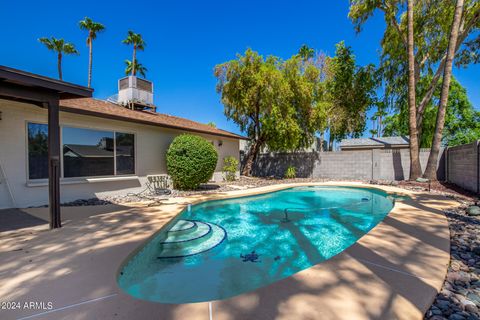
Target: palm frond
(134, 39)
(92, 27)
(139, 68)
(69, 48)
(58, 45)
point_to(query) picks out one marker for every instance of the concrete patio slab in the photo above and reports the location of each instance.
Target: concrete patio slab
(15, 219)
(393, 272)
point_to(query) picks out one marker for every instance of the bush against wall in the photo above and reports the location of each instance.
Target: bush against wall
(191, 160)
(230, 168)
(290, 173)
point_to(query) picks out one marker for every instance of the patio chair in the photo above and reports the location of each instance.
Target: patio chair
(159, 184)
(156, 185)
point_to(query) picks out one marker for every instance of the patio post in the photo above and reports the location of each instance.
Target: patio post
(54, 163)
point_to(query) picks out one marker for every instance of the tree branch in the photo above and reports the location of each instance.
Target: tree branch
(433, 85)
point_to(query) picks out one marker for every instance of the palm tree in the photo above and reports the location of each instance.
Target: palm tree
(415, 166)
(138, 44)
(137, 66)
(305, 52)
(93, 28)
(431, 170)
(60, 47)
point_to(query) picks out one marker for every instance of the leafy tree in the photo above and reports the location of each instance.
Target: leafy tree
(351, 92)
(93, 28)
(139, 68)
(273, 101)
(138, 43)
(60, 47)
(462, 122)
(435, 30)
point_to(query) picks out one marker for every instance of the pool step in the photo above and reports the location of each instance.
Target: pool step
(183, 225)
(204, 237)
(177, 237)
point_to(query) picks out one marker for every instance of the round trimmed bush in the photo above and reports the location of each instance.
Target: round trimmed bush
(191, 160)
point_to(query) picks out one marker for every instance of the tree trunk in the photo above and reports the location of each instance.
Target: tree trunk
(379, 126)
(321, 141)
(59, 65)
(251, 157)
(90, 56)
(431, 170)
(134, 62)
(330, 142)
(415, 167)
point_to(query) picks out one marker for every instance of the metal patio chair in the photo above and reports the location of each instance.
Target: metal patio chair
(159, 184)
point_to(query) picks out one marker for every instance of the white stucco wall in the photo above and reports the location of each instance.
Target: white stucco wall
(151, 145)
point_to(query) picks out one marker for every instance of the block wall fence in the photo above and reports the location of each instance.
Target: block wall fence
(463, 166)
(459, 165)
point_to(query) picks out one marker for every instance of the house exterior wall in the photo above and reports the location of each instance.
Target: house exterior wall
(151, 144)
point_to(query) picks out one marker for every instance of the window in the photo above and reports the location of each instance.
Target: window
(125, 155)
(86, 152)
(37, 151)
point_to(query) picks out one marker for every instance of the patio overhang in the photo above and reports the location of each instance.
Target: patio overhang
(46, 93)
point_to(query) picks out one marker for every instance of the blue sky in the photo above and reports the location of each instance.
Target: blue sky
(185, 40)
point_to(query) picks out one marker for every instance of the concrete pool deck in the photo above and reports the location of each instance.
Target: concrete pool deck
(393, 272)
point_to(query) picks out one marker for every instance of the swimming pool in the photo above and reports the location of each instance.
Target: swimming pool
(222, 248)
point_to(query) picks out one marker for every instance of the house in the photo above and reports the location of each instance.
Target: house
(104, 147)
(375, 143)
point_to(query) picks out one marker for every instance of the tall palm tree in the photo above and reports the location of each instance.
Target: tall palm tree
(60, 47)
(137, 66)
(305, 52)
(136, 40)
(415, 166)
(431, 170)
(93, 28)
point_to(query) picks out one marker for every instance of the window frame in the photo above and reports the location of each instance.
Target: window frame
(80, 179)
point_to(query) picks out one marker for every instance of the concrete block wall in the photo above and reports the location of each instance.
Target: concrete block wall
(344, 165)
(463, 166)
(395, 164)
(357, 165)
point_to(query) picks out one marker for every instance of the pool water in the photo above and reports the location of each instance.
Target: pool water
(222, 248)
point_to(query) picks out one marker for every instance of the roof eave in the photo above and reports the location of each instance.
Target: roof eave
(121, 118)
(64, 89)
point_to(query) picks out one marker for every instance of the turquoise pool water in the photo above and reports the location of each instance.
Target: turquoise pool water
(219, 249)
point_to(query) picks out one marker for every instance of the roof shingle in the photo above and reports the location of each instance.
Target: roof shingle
(105, 109)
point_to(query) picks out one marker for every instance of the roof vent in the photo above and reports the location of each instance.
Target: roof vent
(135, 93)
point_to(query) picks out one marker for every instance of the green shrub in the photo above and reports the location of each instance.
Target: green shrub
(230, 167)
(290, 173)
(191, 160)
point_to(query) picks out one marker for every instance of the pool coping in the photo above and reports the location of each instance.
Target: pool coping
(399, 286)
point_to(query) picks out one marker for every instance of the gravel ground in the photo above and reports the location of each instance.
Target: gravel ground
(459, 298)
(241, 184)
